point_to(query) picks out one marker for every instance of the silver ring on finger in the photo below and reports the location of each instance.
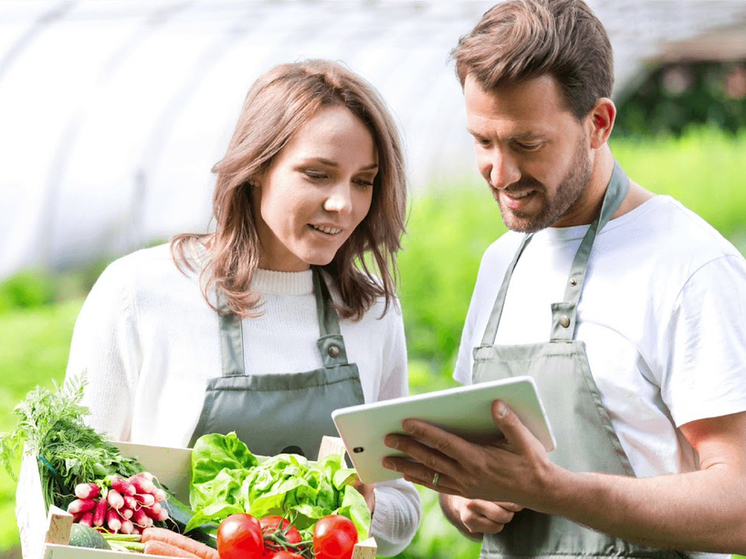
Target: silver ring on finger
(436, 477)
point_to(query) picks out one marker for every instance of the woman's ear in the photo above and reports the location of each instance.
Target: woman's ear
(602, 118)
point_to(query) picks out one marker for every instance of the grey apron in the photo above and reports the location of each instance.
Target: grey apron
(586, 440)
(275, 413)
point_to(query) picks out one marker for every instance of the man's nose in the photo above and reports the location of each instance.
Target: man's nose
(502, 170)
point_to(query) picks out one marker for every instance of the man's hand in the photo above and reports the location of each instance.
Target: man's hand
(515, 469)
(474, 517)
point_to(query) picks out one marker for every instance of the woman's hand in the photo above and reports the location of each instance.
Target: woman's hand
(366, 490)
(475, 517)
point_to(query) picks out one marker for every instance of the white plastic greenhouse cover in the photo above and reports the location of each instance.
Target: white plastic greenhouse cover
(113, 112)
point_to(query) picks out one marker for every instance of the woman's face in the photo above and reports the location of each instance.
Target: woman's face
(316, 192)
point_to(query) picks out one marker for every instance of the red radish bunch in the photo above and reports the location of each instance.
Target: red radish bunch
(119, 505)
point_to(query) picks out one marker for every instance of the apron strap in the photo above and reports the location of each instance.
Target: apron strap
(231, 339)
(330, 344)
(490, 332)
(564, 314)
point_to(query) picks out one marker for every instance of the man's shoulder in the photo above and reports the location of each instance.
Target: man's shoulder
(503, 249)
(676, 233)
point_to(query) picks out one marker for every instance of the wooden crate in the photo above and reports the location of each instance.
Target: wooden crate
(45, 535)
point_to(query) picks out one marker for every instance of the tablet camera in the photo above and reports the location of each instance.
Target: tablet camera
(358, 449)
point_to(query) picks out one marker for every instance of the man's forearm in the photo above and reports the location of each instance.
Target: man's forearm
(697, 511)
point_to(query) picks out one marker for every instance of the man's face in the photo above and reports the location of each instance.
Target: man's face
(534, 154)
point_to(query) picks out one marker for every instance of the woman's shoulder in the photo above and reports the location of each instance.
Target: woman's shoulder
(144, 270)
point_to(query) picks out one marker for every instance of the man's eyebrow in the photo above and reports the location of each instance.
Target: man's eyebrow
(514, 138)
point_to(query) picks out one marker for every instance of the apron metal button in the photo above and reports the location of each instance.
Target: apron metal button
(333, 351)
(573, 282)
(564, 322)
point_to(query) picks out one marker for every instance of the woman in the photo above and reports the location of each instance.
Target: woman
(275, 319)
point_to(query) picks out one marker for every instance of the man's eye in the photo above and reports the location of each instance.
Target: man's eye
(529, 147)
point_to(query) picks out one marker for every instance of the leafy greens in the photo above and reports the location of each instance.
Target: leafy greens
(227, 478)
(69, 452)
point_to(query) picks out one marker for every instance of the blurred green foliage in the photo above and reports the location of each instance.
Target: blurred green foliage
(676, 96)
(449, 229)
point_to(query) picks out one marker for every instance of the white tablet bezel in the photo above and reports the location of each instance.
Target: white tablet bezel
(465, 410)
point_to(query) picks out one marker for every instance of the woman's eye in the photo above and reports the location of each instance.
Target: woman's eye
(363, 184)
(314, 176)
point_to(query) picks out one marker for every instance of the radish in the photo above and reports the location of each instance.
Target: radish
(160, 495)
(143, 485)
(115, 499)
(121, 485)
(126, 513)
(87, 519)
(81, 505)
(131, 502)
(146, 475)
(127, 527)
(99, 514)
(113, 520)
(145, 499)
(87, 490)
(140, 518)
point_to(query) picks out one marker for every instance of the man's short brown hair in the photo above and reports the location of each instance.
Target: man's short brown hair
(518, 40)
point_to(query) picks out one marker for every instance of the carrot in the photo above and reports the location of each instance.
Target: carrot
(156, 547)
(186, 543)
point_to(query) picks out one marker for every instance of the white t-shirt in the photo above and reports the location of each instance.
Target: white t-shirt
(662, 314)
(149, 343)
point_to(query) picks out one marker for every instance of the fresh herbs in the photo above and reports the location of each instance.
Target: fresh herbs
(51, 427)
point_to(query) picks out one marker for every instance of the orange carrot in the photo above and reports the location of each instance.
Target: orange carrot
(195, 548)
(156, 547)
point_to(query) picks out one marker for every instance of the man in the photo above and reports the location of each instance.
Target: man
(627, 309)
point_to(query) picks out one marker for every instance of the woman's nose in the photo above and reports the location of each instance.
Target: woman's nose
(339, 199)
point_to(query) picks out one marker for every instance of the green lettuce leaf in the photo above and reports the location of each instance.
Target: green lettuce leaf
(227, 478)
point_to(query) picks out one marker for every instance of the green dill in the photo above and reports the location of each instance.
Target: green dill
(51, 426)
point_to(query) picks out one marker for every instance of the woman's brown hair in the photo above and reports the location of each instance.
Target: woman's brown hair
(277, 105)
(522, 39)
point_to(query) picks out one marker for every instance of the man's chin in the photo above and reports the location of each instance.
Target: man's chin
(521, 222)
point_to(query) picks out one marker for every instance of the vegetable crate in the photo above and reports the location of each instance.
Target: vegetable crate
(45, 535)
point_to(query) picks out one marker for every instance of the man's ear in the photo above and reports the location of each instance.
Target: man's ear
(601, 121)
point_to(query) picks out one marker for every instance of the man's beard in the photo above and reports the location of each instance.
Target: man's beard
(568, 192)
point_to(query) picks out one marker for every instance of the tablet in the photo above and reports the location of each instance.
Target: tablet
(465, 411)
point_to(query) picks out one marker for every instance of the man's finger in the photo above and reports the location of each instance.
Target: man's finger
(446, 443)
(439, 450)
(516, 433)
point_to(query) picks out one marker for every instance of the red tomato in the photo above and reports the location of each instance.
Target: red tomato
(334, 537)
(284, 555)
(240, 537)
(274, 523)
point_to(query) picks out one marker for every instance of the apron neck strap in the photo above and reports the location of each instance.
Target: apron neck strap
(231, 338)
(327, 315)
(564, 314)
(330, 343)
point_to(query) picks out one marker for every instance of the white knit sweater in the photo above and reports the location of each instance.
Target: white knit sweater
(149, 342)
